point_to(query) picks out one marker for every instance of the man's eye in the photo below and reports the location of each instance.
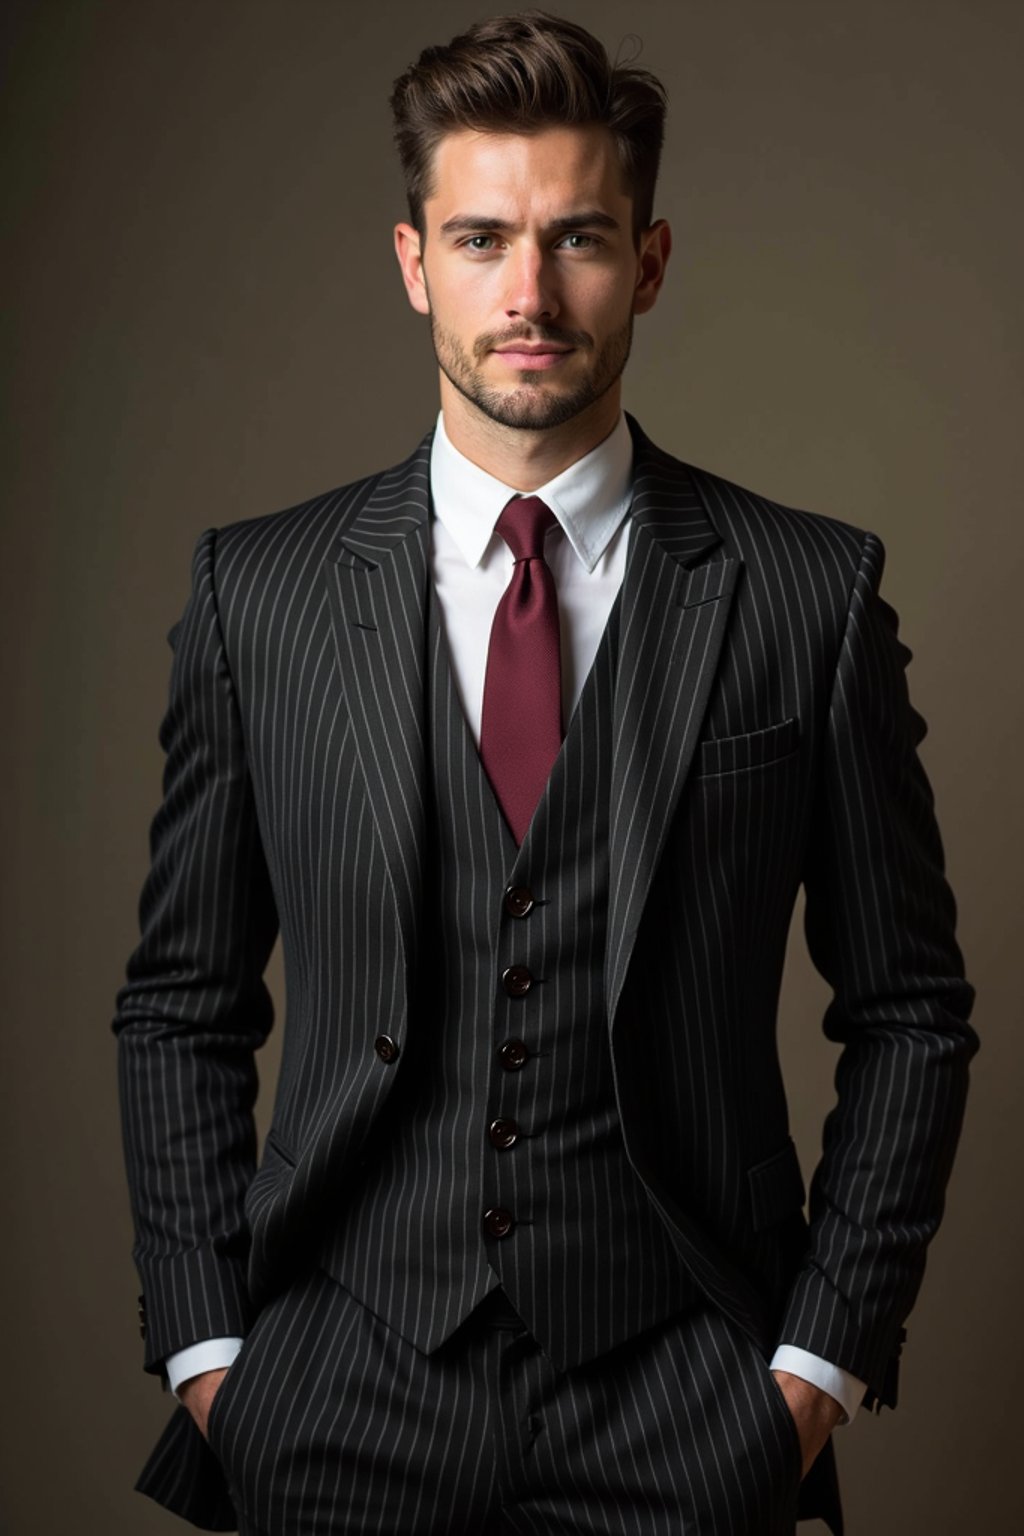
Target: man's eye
(480, 242)
(580, 242)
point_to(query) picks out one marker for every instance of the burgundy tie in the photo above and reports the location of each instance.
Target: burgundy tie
(521, 723)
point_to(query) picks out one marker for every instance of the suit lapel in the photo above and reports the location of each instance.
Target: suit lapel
(676, 599)
(377, 574)
(675, 606)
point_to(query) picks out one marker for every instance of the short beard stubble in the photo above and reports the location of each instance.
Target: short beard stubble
(530, 407)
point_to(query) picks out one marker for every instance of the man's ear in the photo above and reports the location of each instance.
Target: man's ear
(409, 250)
(652, 258)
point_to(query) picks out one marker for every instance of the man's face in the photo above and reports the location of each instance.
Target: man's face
(529, 272)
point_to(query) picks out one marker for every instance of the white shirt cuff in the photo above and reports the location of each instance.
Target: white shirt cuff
(847, 1390)
(210, 1355)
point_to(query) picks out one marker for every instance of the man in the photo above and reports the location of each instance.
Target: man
(526, 746)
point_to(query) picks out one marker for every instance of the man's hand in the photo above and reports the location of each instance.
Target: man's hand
(197, 1395)
(814, 1412)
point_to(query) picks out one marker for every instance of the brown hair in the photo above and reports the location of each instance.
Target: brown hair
(517, 74)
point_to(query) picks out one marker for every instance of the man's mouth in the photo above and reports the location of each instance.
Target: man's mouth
(537, 355)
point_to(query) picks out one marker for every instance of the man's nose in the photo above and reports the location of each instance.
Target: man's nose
(531, 290)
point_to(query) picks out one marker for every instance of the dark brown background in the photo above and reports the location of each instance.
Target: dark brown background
(206, 322)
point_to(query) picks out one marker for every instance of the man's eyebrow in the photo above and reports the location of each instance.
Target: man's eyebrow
(479, 223)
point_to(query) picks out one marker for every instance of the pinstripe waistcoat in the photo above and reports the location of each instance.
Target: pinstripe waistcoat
(760, 737)
(588, 1261)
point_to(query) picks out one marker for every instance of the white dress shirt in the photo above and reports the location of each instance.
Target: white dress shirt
(471, 567)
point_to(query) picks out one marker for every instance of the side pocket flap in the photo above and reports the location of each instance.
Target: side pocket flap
(776, 1186)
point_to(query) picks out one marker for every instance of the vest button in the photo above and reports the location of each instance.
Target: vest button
(386, 1048)
(516, 980)
(518, 900)
(498, 1222)
(503, 1133)
(513, 1054)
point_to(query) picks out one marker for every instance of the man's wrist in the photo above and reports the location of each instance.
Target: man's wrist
(847, 1389)
(207, 1355)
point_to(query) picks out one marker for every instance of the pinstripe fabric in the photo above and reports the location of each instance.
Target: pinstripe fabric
(589, 1263)
(761, 737)
(411, 1246)
(330, 1422)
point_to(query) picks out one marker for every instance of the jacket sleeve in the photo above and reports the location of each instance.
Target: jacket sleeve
(880, 921)
(194, 1006)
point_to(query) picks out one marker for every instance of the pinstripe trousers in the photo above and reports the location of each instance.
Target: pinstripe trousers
(331, 1422)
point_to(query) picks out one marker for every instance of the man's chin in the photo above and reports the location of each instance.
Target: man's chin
(531, 406)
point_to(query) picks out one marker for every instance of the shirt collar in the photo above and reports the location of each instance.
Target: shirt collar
(589, 499)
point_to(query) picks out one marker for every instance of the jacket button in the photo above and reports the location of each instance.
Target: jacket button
(498, 1222)
(503, 1133)
(518, 900)
(513, 1054)
(516, 980)
(386, 1048)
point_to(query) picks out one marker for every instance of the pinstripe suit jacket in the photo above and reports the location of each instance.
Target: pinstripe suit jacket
(762, 738)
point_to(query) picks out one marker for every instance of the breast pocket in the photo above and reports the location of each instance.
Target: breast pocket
(755, 749)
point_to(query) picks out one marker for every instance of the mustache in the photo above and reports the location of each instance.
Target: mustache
(531, 333)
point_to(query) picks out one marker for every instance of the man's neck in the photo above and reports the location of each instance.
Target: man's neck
(520, 458)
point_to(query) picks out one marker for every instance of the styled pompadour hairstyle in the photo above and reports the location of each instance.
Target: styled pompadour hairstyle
(519, 74)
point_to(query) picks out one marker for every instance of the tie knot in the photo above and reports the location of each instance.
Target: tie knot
(523, 523)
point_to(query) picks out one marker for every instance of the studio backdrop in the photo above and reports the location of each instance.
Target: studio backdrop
(205, 322)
